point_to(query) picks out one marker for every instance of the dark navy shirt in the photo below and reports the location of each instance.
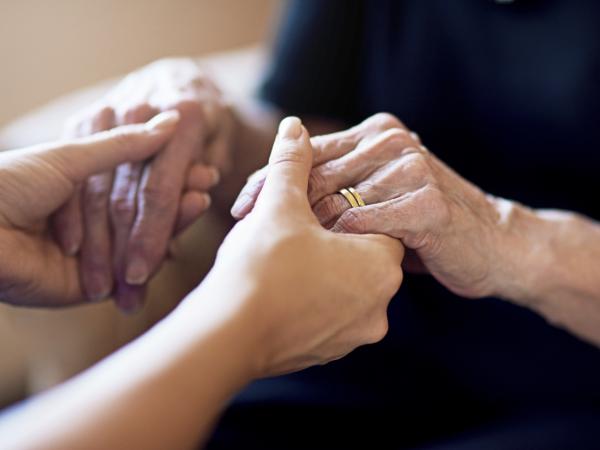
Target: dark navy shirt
(508, 94)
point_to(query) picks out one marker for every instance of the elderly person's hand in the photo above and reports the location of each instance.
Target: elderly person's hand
(34, 183)
(122, 221)
(316, 294)
(453, 229)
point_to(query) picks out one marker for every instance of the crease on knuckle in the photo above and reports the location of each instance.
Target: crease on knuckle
(385, 120)
(353, 222)
(417, 165)
(317, 183)
(328, 208)
(122, 210)
(96, 199)
(156, 196)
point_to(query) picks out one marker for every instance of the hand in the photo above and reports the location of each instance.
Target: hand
(453, 229)
(34, 183)
(314, 295)
(140, 206)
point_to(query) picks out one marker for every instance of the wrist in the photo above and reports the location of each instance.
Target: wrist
(223, 310)
(524, 257)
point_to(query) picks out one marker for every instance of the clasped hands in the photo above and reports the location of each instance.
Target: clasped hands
(120, 223)
(450, 228)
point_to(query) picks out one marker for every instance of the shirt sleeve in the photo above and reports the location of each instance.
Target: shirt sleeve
(315, 63)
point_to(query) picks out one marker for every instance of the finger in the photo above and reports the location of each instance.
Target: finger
(335, 145)
(95, 262)
(408, 217)
(247, 196)
(218, 152)
(330, 208)
(123, 205)
(67, 224)
(158, 201)
(289, 166)
(408, 173)
(106, 150)
(201, 178)
(353, 167)
(193, 205)
(131, 298)
(68, 220)
(325, 148)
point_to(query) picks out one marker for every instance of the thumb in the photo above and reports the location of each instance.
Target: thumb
(104, 151)
(290, 163)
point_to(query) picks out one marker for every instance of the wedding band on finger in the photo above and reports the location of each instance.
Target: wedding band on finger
(352, 197)
(357, 196)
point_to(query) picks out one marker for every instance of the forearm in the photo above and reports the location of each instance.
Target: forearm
(551, 264)
(165, 390)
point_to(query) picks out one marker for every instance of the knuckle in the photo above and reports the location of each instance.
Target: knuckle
(417, 165)
(122, 210)
(191, 108)
(378, 331)
(391, 142)
(328, 208)
(394, 280)
(418, 150)
(138, 113)
(102, 118)
(353, 222)
(96, 198)
(317, 182)
(156, 196)
(385, 120)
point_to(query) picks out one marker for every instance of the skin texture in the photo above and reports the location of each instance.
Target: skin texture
(122, 221)
(34, 183)
(475, 244)
(269, 312)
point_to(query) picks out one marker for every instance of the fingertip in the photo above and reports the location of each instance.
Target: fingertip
(193, 205)
(290, 128)
(164, 121)
(129, 299)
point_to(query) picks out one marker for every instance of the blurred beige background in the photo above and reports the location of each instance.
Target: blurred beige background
(49, 48)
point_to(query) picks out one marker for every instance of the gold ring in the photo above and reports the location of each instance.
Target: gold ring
(346, 193)
(357, 196)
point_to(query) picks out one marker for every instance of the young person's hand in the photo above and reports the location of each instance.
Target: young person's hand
(310, 295)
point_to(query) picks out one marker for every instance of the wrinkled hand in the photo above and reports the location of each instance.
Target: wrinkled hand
(452, 228)
(318, 294)
(34, 183)
(122, 221)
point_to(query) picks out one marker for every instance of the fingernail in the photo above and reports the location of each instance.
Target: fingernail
(137, 272)
(207, 200)
(163, 121)
(240, 205)
(215, 176)
(290, 127)
(98, 289)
